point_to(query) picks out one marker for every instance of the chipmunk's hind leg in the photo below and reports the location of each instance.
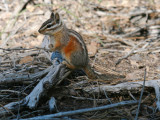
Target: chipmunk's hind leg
(79, 59)
(90, 73)
(68, 65)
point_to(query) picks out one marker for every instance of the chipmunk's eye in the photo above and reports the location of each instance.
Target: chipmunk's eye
(48, 26)
(57, 21)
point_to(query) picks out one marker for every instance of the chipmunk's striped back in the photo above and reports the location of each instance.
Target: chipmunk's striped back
(80, 40)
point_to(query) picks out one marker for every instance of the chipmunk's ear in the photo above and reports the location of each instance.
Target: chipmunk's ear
(52, 15)
(57, 18)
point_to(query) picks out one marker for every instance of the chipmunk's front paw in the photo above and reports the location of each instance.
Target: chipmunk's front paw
(65, 62)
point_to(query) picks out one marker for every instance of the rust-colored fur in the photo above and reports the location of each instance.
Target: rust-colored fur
(69, 43)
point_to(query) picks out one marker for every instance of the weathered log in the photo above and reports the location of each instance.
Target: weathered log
(128, 86)
(57, 73)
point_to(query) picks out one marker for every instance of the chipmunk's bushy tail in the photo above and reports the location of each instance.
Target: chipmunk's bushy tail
(90, 73)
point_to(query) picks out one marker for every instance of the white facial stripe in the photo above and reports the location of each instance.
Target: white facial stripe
(44, 27)
(47, 25)
(56, 26)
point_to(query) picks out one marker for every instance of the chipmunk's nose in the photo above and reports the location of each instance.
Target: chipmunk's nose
(39, 31)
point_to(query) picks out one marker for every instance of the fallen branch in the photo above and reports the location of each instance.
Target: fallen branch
(61, 114)
(44, 85)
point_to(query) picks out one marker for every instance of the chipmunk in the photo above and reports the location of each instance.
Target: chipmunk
(69, 43)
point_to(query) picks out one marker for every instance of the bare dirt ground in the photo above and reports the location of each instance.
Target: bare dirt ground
(112, 30)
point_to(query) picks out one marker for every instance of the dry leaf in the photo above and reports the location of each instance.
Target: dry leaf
(134, 75)
(127, 50)
(92, 48)
(30, 8)
(134, 63)
(120, 98)
(131, 76)
(40, 37)
(26, 60)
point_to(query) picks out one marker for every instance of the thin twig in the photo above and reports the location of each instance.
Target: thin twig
(132, 95)
(10, 78)
(25, 5)
(107, 96)
(91, 99)
(19, 106)
(140, 99)
(20, 48)
(12, 91)
(126, 56)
